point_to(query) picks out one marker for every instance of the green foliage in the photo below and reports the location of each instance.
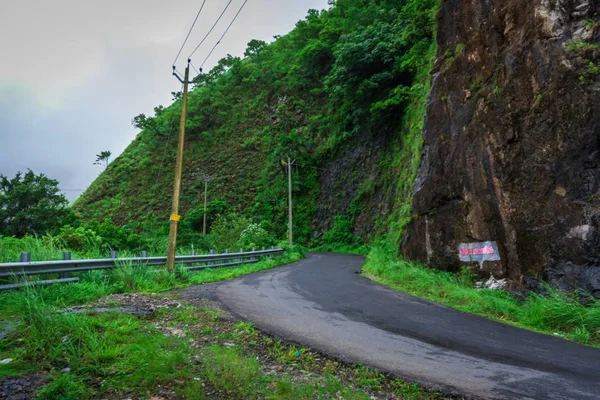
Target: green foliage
(341, 233)
(103, 158)
(63, 387)
(225, 369)
(370, 378)
(578, 45)
(254, 47)
(226, 231)
(254, 236)
(41, 249)
(115, 237)
(79, 239)
(356, 67)
(31, 204)
(194, 218)
(94, 346)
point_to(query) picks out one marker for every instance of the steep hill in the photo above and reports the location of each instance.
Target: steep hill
(502, 93)
(343, 94)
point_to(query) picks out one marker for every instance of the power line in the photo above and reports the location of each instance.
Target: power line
(162, 161)
(224, 33)
(211, 29)
(195, 69)
(190, 32)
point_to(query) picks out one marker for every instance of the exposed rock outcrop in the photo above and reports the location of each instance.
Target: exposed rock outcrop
(512, 140)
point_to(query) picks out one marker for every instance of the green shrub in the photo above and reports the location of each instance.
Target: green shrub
(79, 239)
(193, 220)
(114, 237)
(341, 233)
(226, 231)
(254, 236)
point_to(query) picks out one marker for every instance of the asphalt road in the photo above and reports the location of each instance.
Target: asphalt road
(324, 303)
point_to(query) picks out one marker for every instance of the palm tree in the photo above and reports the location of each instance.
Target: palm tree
(103, 158)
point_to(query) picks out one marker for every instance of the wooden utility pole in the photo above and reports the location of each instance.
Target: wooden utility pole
(205, 194)
(206, 179)
(290, 231)
(175, 217)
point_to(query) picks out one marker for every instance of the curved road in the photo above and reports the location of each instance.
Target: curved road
(324, 303)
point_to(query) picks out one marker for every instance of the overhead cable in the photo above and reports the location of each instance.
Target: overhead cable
(190, 31)
(223, 35)
(211, 29)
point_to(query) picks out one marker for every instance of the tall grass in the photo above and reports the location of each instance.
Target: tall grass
(90, 346)
(553, 313)
(41, 249)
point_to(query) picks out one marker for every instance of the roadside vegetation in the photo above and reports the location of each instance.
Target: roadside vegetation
(555, 313)
(135, 345)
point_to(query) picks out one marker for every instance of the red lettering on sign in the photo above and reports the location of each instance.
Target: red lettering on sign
(464, 251)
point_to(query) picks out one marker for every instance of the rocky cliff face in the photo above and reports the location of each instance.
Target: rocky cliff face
(512, 141)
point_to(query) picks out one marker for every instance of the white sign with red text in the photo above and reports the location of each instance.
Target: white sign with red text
(478, 252)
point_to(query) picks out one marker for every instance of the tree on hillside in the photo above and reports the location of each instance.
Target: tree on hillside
(153, 124)
(31, 204)
(295, 146)
(103, 158)
(254, 47)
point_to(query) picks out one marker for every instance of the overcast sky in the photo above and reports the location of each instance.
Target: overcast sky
(75, 72)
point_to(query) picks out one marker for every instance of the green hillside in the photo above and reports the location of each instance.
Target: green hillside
(343, 94)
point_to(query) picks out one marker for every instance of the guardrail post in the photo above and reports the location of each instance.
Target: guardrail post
(192, 253)
(241, 258)
(66, 257)
(211, 252)
(25, 257)
(143, 254)
(253, 258)
(272, 248)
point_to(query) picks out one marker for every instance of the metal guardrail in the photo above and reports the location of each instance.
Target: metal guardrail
(64, 267)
